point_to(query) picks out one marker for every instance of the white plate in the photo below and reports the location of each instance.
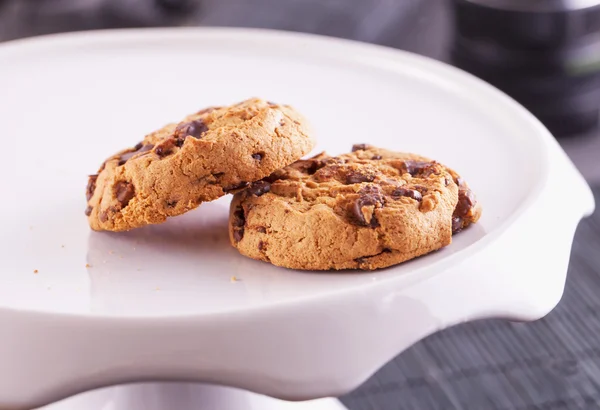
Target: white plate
(72, 101)
(67, 102)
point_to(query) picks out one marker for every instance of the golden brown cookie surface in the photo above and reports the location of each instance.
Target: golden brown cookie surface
(208, 154)
(368, 209)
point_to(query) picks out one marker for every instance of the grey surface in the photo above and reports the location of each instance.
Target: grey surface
(550, 364)
(585, 153)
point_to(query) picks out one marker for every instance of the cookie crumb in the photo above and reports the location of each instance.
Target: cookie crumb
(138, 269)
(87, 265)
(62, 246)
(234, 279)
(157, 289)
(35, 271)
(111, 252)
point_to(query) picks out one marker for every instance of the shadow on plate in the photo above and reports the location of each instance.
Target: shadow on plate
(187, 266)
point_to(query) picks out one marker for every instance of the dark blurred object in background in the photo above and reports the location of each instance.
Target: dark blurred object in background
(405, 24)
(544, 53)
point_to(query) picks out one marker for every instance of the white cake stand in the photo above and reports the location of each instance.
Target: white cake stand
(160, 303)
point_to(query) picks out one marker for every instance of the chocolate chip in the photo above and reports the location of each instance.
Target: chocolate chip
(309, 166)
(88, 211)
(190, 129)
(313, 166)
(139, 148)
(91, 186)
(259, 188)
(411, 193)
(361, 147)
(166, 147)
(103, 216)
(466, 201)
(258, 156)
(356, 177)
(456, 224)
(330, 172)
(375, 157)
(374, 222)
(371, 194)
(446, 181)
(172, 203)
(124, 191)
(261, 246)
(235, 187)
(238, 224)
(418, 168)
(368, 196)
(261, 229)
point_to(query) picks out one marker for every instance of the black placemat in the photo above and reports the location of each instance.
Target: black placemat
(550, 364)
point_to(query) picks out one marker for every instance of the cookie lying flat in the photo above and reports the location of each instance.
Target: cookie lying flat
(369, 209)
(208, 154)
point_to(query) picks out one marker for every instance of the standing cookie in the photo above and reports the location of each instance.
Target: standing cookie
(368, 209)
(207, 155)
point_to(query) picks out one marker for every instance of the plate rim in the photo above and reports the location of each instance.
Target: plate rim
(540, 136)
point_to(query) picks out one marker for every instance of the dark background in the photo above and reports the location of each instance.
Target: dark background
(550, 364)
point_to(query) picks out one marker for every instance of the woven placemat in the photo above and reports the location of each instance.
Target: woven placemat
(550, 364)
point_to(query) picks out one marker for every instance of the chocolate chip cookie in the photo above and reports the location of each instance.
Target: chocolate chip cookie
(216, 151)
(368, 209)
